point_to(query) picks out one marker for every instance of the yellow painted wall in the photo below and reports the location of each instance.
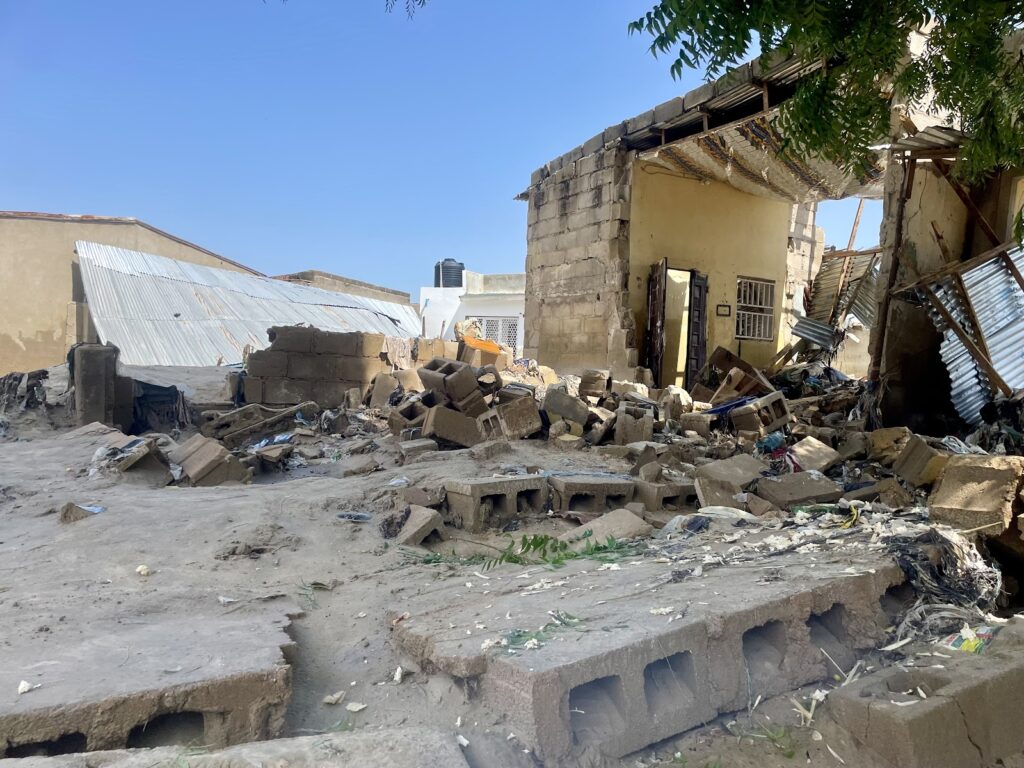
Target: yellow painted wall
(717, 230)
(677, 320)
(38, 317)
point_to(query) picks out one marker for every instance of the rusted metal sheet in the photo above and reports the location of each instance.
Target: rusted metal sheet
(159, 311)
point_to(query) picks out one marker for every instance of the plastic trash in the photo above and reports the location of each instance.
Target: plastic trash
(771, 442)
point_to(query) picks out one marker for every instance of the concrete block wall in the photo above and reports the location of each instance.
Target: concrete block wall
(308, 364)
(577, 257)
(619, 697)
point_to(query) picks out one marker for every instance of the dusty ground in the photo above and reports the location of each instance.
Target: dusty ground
(263, 547)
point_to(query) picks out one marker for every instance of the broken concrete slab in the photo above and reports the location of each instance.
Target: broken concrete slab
(786, 491)
(490, 449)
(559, 403)
(717, 492)
(619, 524)
(885, 445)
(741, 469)
(967, 718)
(888, 491)
(594, 383)
(696, 422)
(410, 449)
(455, 427)
(424, 497)
(519, 417)
(812, 454)
(585, 497)
(205, 462)
(421, 523)
(251, 422)
(239, 695)
(358, 465)
(976, 490)
(480, 503)
(674, 402)
(670, 663)
(919, 463)
(759, 506)
(853, 445)
(401, 747)
(568, 442)
(633, 424)
(384, 385)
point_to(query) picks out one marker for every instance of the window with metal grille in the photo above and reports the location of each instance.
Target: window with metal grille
(755, 309)
(504, 330)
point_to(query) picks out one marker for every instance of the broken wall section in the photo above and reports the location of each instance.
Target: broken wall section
(577, 259)
(303, 364)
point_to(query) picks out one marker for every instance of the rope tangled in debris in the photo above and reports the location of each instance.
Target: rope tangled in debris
(960, 588)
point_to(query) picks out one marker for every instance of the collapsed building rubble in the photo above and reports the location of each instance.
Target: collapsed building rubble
(609, 564)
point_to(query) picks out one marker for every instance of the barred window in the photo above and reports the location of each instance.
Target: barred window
(755, 309)
(504, 330)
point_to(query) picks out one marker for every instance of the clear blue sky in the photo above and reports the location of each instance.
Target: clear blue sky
(319, 134)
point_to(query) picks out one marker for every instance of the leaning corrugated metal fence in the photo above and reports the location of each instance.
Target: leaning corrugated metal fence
(159, 311)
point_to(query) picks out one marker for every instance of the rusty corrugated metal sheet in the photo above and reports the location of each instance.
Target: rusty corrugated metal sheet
(159, 311)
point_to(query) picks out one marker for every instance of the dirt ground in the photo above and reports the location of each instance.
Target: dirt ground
(220, 554)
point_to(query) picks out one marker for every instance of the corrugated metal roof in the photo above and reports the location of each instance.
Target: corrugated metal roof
(159, 311)
(935, 137)
(750, 156)
(998, 303)
(825, 336)
(826, 283)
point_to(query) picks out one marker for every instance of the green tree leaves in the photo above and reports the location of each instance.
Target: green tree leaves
(967, 70)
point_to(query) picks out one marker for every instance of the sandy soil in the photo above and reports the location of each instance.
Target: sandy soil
(271, 541)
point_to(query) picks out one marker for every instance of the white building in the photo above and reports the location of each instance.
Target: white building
(497, 301)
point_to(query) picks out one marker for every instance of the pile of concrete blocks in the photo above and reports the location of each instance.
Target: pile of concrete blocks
(606, 410)
(463, 405)
(332, 369)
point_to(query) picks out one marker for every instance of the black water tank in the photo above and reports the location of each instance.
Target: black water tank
(448, 274)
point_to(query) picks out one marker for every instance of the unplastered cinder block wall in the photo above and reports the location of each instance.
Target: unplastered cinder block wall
(577, 258)
(714, 229)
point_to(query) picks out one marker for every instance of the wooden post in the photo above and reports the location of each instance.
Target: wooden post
(972, 209)
(874, 372)
(856, 225)
(1012, 269)
(971, 314)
